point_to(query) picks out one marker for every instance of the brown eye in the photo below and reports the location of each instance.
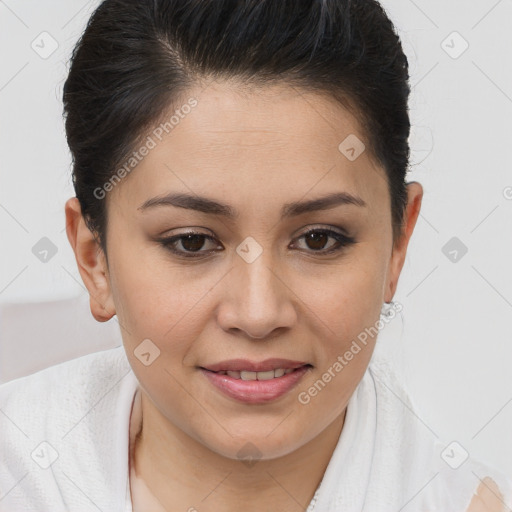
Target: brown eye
(191, 244)
(317, 239)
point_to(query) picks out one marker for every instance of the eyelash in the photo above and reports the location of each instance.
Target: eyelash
(343, 241)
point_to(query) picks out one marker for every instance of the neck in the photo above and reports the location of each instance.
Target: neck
(183, 474)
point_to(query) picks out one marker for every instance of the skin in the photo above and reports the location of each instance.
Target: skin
(255, 152)
(488, 498)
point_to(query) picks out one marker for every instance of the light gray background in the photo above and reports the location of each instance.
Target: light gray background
(454, 343)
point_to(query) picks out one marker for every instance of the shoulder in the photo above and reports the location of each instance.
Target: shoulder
(53, 399)
(74, 375)
(488, 497)
(447, 472)
(467, 480)
(58, 394)
(58, 417)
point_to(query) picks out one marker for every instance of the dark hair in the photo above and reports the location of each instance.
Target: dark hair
(136, 58)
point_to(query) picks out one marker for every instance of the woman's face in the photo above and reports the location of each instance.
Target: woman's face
(253, 285)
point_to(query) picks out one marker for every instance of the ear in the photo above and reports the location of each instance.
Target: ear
(91, 262)
(415, 195)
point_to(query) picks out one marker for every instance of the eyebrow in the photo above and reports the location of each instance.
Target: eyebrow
(209, 206)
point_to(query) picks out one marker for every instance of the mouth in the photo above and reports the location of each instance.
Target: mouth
(249, 375)
(255, 383)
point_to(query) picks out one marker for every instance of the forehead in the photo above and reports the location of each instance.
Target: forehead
(261, 144)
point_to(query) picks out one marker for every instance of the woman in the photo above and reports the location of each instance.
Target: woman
(241, 207)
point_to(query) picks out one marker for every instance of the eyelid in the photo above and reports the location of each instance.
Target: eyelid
(322, 227)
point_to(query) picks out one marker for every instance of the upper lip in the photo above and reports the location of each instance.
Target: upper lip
(254, 366)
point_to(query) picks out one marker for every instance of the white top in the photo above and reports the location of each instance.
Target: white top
(65, 434)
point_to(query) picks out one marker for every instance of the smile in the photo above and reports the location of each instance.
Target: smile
(256, 387)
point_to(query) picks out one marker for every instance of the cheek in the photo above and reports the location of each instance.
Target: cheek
(155, 297)
(347, 297)
(165, 311)
(347, 309)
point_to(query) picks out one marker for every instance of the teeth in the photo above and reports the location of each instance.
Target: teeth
(265, 375)
(246, 375)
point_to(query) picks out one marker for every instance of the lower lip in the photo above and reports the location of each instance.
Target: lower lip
(255, 391)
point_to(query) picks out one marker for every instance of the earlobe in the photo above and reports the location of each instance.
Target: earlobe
(91, 262)
(415, 196)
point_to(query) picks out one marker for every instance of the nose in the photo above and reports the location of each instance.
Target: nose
(257, 300)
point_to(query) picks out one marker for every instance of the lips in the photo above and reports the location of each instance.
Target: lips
(256, 391)
(238, 365)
